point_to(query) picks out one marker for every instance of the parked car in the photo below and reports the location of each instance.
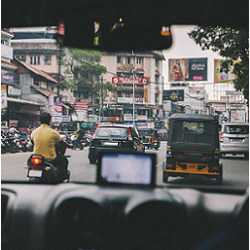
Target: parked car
(234, 139)
(116, 138)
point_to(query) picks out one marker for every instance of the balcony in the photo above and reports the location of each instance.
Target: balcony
(7, 52)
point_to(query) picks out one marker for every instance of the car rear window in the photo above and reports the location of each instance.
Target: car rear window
(236, 129)
(111, 132)
(193, 127)
(146, 132)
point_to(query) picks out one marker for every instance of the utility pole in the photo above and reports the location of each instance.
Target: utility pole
(133, 71)
(102, 97)
(59, 68)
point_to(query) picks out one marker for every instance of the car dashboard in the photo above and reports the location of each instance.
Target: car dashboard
(87, 216)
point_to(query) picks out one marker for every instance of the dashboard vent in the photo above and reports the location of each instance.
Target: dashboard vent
(4, 200)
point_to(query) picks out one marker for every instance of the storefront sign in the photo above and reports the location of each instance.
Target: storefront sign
(130, 100)
(173, 95)
(14, 91)
(233, 92)
(81, 106)
(66, 118)
(221, 107)
(167, 105)
(3, 99)
(129, 117)
(235, 106)
(82, 115)
(10, 78)
(123, 80)
(193, 69)
(237, 116)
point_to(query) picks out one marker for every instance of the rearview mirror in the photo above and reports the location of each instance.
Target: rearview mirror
(117, 35)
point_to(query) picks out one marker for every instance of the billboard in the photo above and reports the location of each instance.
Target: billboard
(193, 69)
(173, 95)
(222, 76)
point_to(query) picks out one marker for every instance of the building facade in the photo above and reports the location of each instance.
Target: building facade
(145, 71)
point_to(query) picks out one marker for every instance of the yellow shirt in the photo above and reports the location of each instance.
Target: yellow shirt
(44, 139)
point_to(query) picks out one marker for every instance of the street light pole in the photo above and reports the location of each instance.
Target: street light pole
(133, 89)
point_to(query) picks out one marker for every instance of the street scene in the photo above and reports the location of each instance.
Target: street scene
(137, 102)
(236, 169)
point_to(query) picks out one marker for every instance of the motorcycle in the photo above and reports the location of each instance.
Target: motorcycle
(29, 145)
(41, 170)
(77, 144)
(22, 144)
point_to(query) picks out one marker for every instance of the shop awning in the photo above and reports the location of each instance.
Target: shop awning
(22, 101)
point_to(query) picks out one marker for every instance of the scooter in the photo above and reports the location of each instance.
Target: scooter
(41, 170)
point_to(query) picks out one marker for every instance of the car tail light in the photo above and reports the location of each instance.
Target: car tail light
(36, 160)
(129, 135)
(221, 136)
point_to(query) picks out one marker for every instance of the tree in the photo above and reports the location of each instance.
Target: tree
(83, 72)
(231, 43)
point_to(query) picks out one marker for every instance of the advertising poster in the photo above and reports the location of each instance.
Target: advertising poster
(222, 76)
(178, 70)
(3, 99)
(197, 69)
(57, 110)
(193, 69)
(237, 116)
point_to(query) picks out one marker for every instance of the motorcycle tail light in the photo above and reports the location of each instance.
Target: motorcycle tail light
(36, 160)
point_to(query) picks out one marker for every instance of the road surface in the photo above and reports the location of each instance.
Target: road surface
(236, 169)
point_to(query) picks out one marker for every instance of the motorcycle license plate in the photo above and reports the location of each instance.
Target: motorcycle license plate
(35, 173)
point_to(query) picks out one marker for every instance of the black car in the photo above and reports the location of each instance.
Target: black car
(116, 138)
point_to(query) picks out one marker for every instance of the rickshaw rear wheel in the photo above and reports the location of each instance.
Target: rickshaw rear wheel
(165, 178)
(219, 178)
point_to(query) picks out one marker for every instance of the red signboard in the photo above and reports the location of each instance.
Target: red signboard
(81, 106)
(123, 80)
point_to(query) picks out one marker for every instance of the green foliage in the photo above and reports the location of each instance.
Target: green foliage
(83, 71)
(231, 43)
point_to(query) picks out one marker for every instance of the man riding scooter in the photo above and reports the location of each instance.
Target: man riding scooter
(45, 140)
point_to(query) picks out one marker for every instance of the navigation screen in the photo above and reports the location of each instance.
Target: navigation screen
(126, 169)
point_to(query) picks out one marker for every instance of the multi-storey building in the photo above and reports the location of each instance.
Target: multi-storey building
(145, 71)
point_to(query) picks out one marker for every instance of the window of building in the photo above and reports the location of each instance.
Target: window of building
(156, 98)
(139, 60)
(127, 60)
(4, 42)
(36, 82)
(119, 59)
(156, 63)
(47, 60)
(157, 79)
(35, 60)
(21, 57)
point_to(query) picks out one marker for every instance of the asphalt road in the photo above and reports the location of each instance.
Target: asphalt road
(235, 169)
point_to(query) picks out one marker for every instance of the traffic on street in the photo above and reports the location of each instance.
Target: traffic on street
(236, 169)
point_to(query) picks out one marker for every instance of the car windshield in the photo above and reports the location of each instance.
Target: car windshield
(110, 131)
(90, 93)
(236, 129)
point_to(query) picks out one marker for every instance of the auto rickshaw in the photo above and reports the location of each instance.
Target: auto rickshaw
(193, 147)
(150, 138)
